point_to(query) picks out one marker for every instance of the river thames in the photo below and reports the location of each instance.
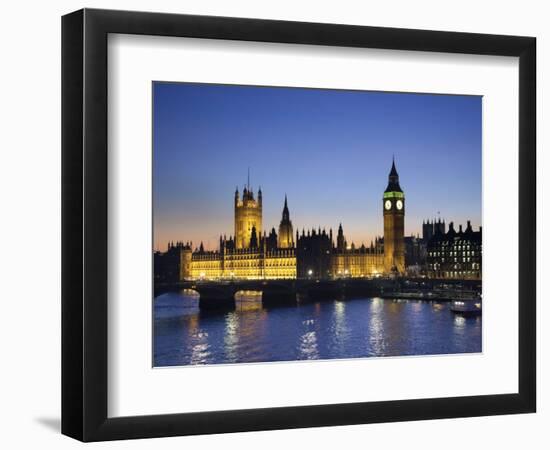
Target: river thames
(357, 328)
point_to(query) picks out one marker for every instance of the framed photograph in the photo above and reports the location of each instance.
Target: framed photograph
(273, 224)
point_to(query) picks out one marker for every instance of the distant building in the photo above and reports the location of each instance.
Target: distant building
(430, 227)
(248, 215)
(358, 262)
(262, 257)
(172, 265)
(455, 254)
(415, 253)
(314, 254)
(253, 254)
(416, 248)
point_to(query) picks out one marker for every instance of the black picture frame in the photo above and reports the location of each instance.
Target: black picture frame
(84, 224)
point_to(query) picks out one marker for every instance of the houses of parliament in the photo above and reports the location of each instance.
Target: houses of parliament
(251, 253)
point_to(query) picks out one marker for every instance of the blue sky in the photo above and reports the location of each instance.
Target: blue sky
(330, 151)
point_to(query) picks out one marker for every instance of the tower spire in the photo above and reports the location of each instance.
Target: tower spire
(286, 230)
(393, 179)
(286, 214)
(393, 172)
(248, 179)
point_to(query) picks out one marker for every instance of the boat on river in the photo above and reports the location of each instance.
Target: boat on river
(466, 306)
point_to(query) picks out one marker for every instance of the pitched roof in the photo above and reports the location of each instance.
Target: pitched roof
(393, 180)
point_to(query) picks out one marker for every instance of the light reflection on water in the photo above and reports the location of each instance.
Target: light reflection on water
(185, 335)
(376, 326)
(308, 346)
(231, 337)
(200, 351)
(339, 327)
(460, 321)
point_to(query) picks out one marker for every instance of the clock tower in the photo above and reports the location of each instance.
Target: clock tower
(393, 205)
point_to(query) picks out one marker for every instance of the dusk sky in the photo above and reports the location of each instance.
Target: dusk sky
(330, 151)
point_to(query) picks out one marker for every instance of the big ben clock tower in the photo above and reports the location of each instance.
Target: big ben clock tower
(393, 205)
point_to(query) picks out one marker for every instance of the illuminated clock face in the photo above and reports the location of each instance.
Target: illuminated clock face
(399, 205)
(387, 205)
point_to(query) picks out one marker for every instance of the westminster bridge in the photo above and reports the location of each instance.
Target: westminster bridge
(215, 295)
